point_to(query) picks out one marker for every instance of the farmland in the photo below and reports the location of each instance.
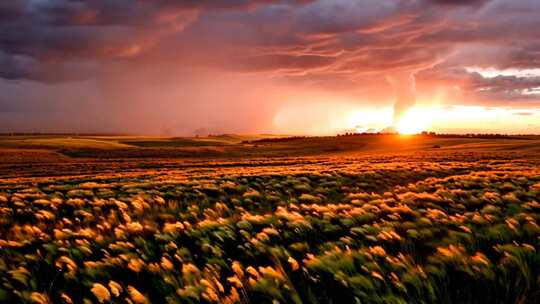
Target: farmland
(380, 219)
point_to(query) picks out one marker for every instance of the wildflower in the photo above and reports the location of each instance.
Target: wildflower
(167, 264)
(451, 251)
(39, 298)
(512, 224)
(189, 292)
(86, 233)
(435, 214)
(118, 232)
(237, 269)
(64, 261)
(252, 282)
(234, 280)
(377, 275)
(136, 296)
(136, 264)
(126, 217)
(420, 271)
(45, 215)
(210, 292)
(189, 271)
(528, 247)
(465, 228)
(378, 251)
(116, 289)
(138, 205)
(134, 227)
(270, 231)
(66, 299)
(308, 198)
(154, 267)
(263, 237)
(101, 292)
(252, 271)
(59, 234)
(172, 227)
(234, 297)
(293, 263)
(252, 194)
(121, 205)
(480, 258)
(387, 236)
(271, 272)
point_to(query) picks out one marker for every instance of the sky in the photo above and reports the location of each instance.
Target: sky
(184, 67)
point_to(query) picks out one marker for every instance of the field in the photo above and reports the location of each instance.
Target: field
(232, 219)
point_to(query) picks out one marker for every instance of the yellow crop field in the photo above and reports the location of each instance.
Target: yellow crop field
(433, 226)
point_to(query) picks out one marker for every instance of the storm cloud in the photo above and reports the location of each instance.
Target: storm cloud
(134, 66)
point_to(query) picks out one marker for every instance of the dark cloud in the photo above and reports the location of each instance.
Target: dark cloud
(337, 45)
(475, 87)
(49, 32)
(263, 35)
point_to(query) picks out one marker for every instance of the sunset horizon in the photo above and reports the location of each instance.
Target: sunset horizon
(270, 151)
(269, 66)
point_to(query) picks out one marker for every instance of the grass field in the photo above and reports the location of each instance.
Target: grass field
(365, 219)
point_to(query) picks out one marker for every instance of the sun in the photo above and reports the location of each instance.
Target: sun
(413, 122)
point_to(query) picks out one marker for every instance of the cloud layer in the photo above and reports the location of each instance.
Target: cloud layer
(135, 66)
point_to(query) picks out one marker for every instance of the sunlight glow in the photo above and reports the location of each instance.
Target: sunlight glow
(341, 117)
(414, 121)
